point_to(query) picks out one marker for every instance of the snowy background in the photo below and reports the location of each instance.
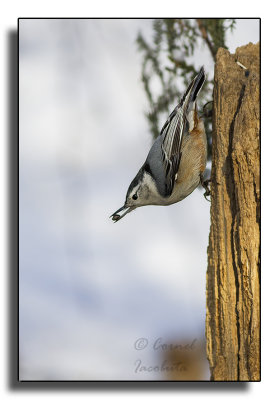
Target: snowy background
(90, 288)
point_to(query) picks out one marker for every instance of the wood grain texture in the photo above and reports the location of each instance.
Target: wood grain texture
(233, 275)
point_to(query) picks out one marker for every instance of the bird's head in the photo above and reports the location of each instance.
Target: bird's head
(138, 195)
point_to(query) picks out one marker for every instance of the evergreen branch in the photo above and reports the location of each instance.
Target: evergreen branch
(206, 38)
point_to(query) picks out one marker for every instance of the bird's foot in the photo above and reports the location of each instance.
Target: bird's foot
(207, 111)
(206, 185)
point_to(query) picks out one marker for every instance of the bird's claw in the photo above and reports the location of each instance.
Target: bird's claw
(205, 184)
(207, 113)
(207, 193)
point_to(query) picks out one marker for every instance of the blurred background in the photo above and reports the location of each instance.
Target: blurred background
(102, 301)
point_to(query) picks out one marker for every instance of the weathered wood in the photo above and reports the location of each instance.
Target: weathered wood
(233, 275)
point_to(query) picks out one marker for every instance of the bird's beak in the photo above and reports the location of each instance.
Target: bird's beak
(116, 216)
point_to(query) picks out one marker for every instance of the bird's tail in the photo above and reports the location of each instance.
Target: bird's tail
(194, 88)
(189, 104)
(197, 85)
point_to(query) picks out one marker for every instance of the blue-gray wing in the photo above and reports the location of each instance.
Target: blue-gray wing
(172, 134)
(165, 155)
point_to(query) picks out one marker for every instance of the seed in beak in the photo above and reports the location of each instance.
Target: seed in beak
(115, 217)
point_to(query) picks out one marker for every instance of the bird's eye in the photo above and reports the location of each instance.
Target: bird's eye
(134, 197)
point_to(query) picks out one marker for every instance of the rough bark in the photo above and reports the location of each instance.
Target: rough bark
(233, 275)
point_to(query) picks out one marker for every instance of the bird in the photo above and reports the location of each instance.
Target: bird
(176, 162)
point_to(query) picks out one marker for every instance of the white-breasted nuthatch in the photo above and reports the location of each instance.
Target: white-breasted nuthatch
(176, 161)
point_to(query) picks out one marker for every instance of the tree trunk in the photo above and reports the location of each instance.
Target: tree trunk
(233, 274)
